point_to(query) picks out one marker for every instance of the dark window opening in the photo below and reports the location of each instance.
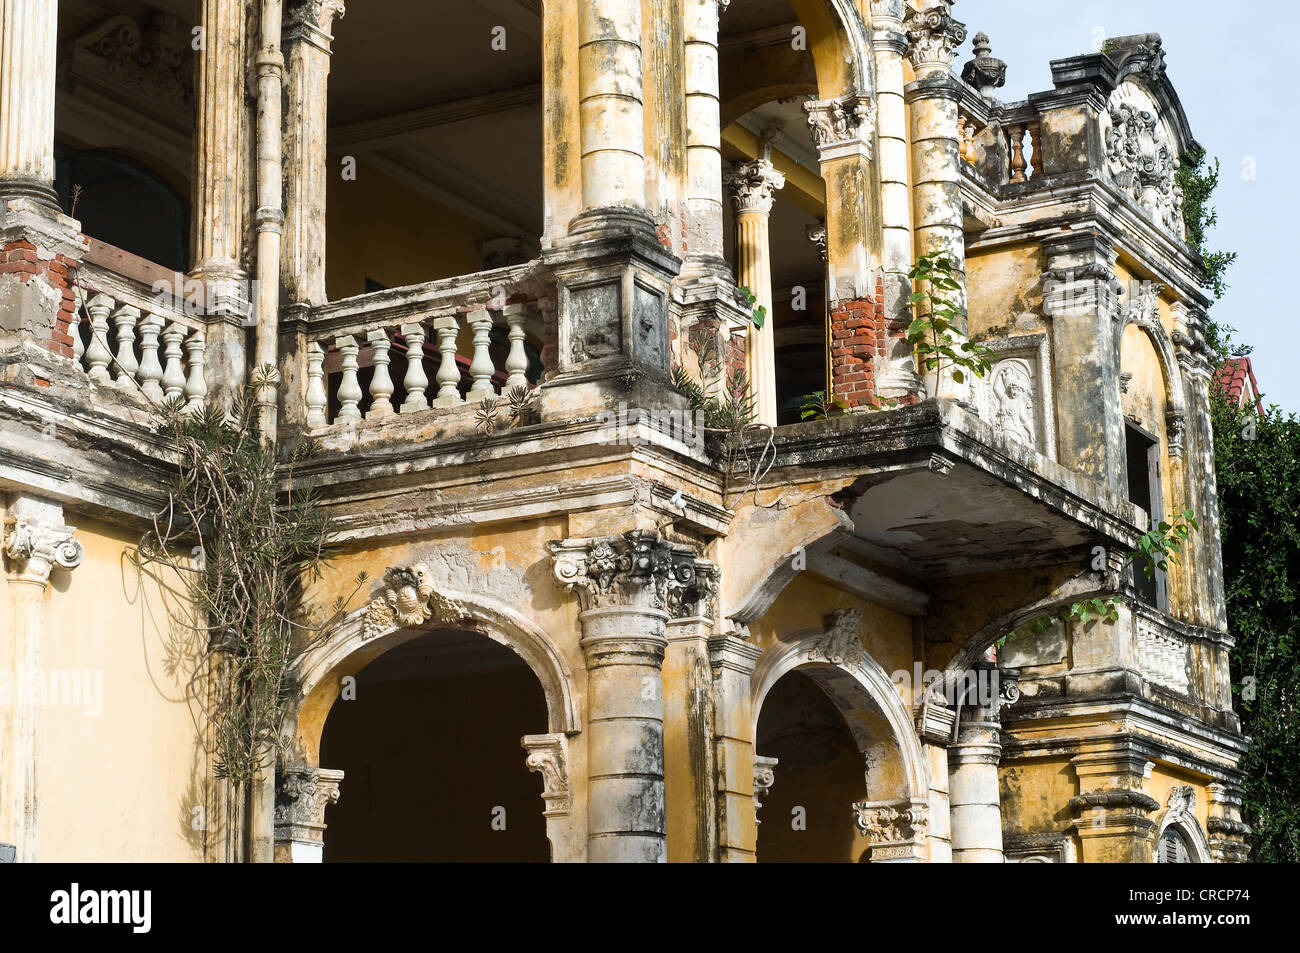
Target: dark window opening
(1144, 489)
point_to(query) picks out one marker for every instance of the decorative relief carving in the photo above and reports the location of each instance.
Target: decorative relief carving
(301, 797)
(933, 37)
(839, 643)
(1015, 396)
(597, 328)
(404, 601)
(764, 778)
(638, 568)
(548, 756)
(319, 14)
(835, 122)
(1142, 157)
(153, 61)
(36, 544)
(895, 829)
(753, 185)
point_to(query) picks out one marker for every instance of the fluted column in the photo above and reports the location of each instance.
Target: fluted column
(220, 139)
(28, 52)
(35, 544)
(974, 801)
(612, 117)
(704, 237)
(623, 586)
(308, 47)
(753, 186)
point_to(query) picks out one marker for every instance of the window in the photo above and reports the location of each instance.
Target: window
(1143, 462)
(1173, 848)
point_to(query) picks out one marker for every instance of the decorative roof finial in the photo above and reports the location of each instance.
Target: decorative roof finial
(986, 73)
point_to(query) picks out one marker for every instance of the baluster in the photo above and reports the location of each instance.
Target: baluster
(1036, 141)
(349, 387)
(98, 355)
(480, 368)
(416, 381)
(74, 326)
(381, 384)
(517, 359)
(1017, 134)
(151, 371)
(173, 379)
(317, 400)
(196, 386)
(447, 327)
(125, 319)
(967, 146)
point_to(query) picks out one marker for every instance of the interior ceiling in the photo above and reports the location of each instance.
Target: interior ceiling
(443, 653)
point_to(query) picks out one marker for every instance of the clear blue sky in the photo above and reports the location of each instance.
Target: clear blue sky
(1234, 67)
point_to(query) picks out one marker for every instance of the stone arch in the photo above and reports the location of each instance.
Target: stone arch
(349, 649)
(1179, 815)
(1147, 319)
(840, 44)
(805, 650)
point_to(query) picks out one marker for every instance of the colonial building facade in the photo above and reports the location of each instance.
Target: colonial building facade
(484, 244)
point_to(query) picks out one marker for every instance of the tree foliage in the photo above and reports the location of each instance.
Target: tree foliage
(1257, 459)
(1198, 178)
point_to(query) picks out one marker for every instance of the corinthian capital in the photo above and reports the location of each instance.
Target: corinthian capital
(301, 797)
(933, 37)
(306, 16)
(896, 829)
(837, 123)
(753, 185)
(36, 541)
(638, 569)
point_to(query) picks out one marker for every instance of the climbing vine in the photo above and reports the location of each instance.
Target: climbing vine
(245, 539)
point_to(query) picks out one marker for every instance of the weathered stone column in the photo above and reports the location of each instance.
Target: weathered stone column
(28, 53)
(753, 187)
(220, 141)
(703, 138)
(35, 544)
(732, 658)
(975, 804)
(890, 45)
(613, 133)
(1226, 830)
(622, 584)
(1079, 297)
(307, 48)
(934, 724)
(301, 797)
(1112, 813)
(936, 194)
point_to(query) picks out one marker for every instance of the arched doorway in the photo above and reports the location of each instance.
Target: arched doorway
(428, 739)
(819, 774)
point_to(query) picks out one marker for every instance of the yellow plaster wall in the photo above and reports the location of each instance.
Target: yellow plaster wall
(121, 784)
(1004, 290)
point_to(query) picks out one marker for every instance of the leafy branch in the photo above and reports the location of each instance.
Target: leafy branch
(931, 331)
(1155, 550)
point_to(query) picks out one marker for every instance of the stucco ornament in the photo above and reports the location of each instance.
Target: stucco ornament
(35, 549)
(839, 643)
(933, 37)
(833, 122)
(404, 601)
(1142, 157)
(1013, 388)
(753, 185)
(895, 829)
(300, 801)
(548, 756)
(639, 568)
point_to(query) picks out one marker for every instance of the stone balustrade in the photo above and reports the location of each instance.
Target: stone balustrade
(999, 144)
(141, 339)
(439, 346)
(1162, 656)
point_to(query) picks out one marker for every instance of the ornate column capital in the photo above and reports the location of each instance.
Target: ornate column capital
(639, 569)
(36, 542)
(301, 795)
(313, 20)
(896, 829)
(764, 778)
(548, 755)
(753, 185)
(817, 235)
(933, 37)
(842, 126)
